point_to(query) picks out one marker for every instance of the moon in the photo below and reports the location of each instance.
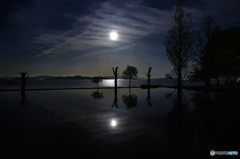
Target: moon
(113, 123)
(113, 35)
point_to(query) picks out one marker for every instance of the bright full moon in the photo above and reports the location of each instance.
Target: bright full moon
(113, 35)
(113, 123)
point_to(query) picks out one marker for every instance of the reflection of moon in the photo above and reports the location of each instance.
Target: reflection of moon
(113, 35)
(113, 123)
(108, 83)
(212, 153)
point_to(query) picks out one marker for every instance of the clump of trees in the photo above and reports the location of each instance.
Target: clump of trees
(220, 56)
(216, 55)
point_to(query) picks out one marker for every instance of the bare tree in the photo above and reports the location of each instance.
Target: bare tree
(180, 42)
(149, 75)
(24, 78)
(115, 73)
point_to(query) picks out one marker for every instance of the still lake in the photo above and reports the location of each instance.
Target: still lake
(130, 124)
(42, 84)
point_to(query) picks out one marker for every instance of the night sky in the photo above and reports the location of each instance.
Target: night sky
(71, 37)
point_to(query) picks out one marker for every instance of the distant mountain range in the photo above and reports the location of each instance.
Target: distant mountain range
(59, 78)
(53, 78)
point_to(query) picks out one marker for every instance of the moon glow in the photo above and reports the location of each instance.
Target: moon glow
(113, 35)
(113, 123)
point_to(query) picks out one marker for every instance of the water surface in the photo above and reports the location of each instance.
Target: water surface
(134, 123)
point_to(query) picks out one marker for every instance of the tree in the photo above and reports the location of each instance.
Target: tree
(115, 73)
(130, 73)
(209, 26)
(24, 78)
(149, 75)
(209, 62)
(97, 80)
(225, 50)
(221, 56)
(180, 42)
(206, 61)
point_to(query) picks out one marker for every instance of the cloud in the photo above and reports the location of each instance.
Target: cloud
(89, 33)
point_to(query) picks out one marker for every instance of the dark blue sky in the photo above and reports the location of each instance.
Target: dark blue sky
(71, 37)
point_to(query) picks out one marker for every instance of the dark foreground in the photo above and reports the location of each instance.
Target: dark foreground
(73, 124)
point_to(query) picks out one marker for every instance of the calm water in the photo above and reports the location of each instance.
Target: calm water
(134, 123)
(31, 84)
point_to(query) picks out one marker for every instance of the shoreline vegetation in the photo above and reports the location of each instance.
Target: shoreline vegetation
(222, 88)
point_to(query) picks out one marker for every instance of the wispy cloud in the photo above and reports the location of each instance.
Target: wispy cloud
(90, 33)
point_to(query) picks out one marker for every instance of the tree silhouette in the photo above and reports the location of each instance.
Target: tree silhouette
(97, 80)
(115, 73)
(206, 61)
(24, 77)
(209, 26)
(221, 57)
(149, 75)
(180, 42)
(130, 73)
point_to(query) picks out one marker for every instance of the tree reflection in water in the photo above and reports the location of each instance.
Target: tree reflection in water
(24, 100)
(210, 124)
(115, 101)
(130, 100)
(24, 78)
(97, 95)
(182, 130)
(149, 97)
(220, 114)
